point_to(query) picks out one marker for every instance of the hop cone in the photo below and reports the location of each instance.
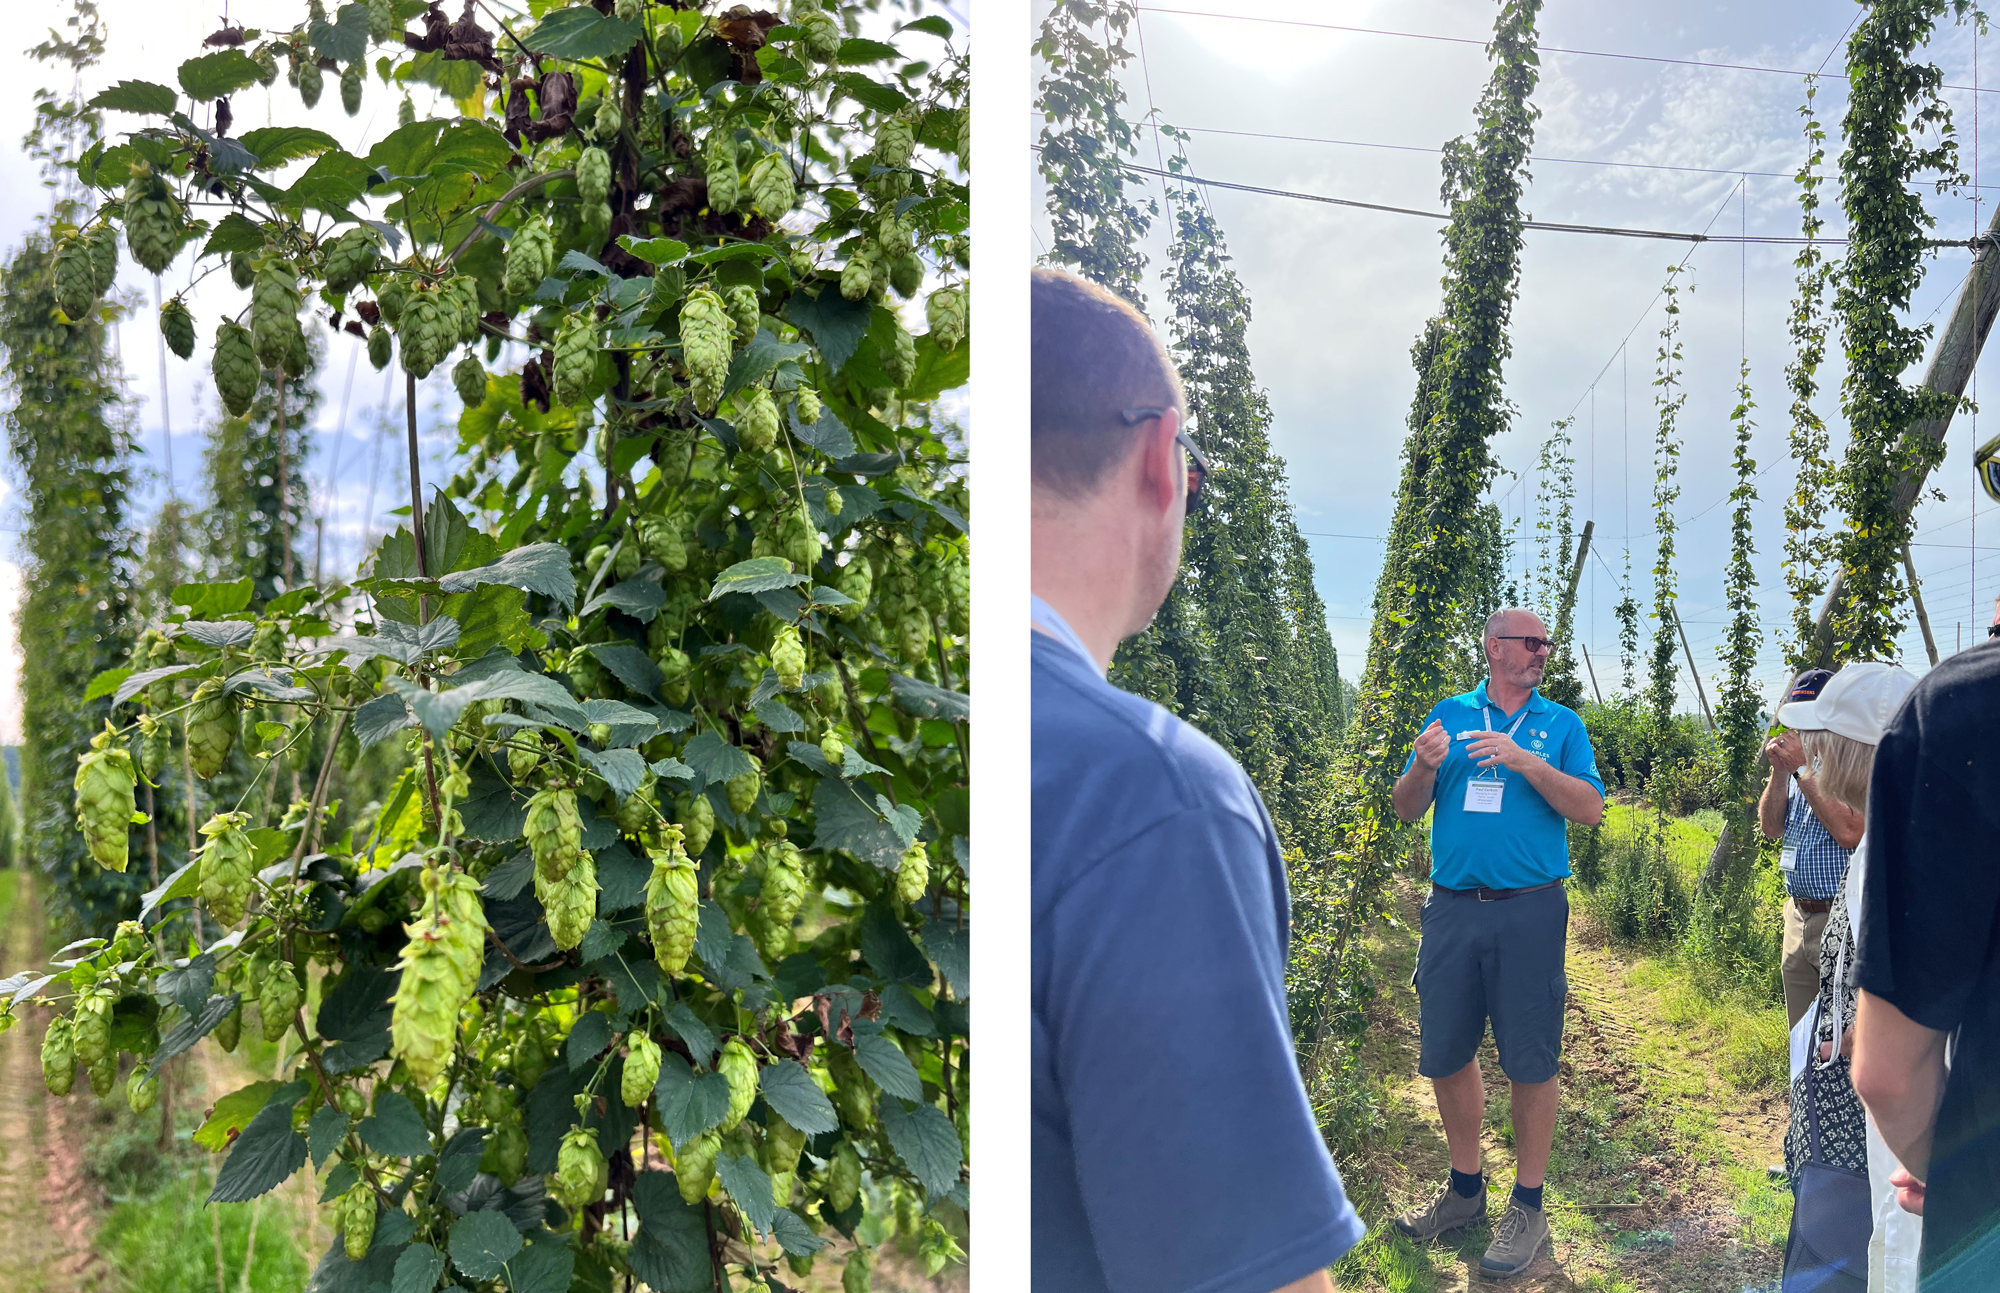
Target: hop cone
(856, 580)
(718, 163)
(946, 313)
(576, 360)
(593, 175)
(743, 789)
(900, 359)
(788, 658)
(355, 1213)
(581, 1173)
(103, 1076)
(76, 290)
(382, 21)
(274, 311)
(696, 816)
(59, 1057)
(740, 302)
(843, 1177)
(506, 1151)
(242, 269)
(800, 541)
(351, 258)
(783, 1144)
(906, 274)
(705, 346)
(913, 873)
(642, 1070)
(298, 355)
(152, 220)
(570, 902)
(429, 996)
(756, 421)
(91, 1029)
(662, 541)
(424, 333)
(630, 10)
(381, 347)
(350, 89)
(673, 903)
(104, 783)
(235, 368)
(469, 376)
(832, 748)
(854, 1276)
(771, 189)
(100, 241)
(530, 253)
(675, 670)
(694, 1167)
(958, 591)
(896, 141)
(606, 122)
(312, 83)
(859, 275)
(739, 1067)
(391, 297)
(914, 633)
(466, 289)
(228, 866)
(267, 65)
(784, 891)
(177, 327)
(278, 1000)
(850, 1093)
(142, 1090)
(822, 35)
(809, 408)
(554, 832)
(636, 811)
(406, 112)
(230, 1030)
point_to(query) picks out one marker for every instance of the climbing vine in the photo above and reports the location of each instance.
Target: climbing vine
(1668, 401)
(1555, 540)
(1739, 714)
(1806, 554)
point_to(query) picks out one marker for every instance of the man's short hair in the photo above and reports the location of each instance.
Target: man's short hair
(1498, 620)
(1091, 357)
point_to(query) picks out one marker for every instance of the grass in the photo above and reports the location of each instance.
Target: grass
(10, 887)
(163, 1243)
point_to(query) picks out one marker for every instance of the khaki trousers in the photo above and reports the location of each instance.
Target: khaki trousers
(1800, 966)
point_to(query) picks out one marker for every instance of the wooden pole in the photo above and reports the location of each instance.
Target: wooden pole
(1575, 574)
(1917, 598)
(1692, 671)
(1592, 672)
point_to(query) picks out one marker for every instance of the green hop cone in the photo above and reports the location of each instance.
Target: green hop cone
(103, 1076)
(913, 873)
(607, 121)
(946, 313)
(406, 112)
(350, 258)
(832, 748)
(153, 220)
(382, 25)
(177, 327)
(783, 1144)
(673, 903)
(771, 189)
(896, 141)
(676, 677)
(531, 1059)
(312, 82)
(391, 297)
(642, 1070)
(857, 580)
(756, 421)
(59, 1056)
(739, 1067)
(632, 11)
(809, 406)
(506, 1151)
(855, 1276)
(381, 347)
(554, 831)
(274, 311)
(740, 302)
(267, 66)
(843, 1176)
(718, 164)
(783, 893)
(423, 334)
(662, 541)
(298, 354)
(228, 866)
(576, 360)
(705, 346)
(859, 275)
(142, 1090)
(91, 1029)
(522, 759)
(800, 541)
(899, 360)
(242, 269)
(743, 789)
(469, 376)
(354, 1211)
(593, 175)
(466, 289)
(76, 292)
(100, 245)
(235, 368)
(571, 902)
(350, 89)
(530, 253)
(696, 817)
(230, 1030)
(105, 781)
(694, 1167)
(822, 40)
(581, 1174)
(851, 1095)
(788, 658)
(278, 1000)
(906, 274)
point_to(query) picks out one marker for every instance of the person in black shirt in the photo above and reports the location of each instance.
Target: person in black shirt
(1928, 965)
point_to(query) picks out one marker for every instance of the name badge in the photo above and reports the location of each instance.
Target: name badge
(1482, 794)
(1788, 857)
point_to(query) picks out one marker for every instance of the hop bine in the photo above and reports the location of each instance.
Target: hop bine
(105, 783)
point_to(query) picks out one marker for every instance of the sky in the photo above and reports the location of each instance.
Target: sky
(356, 467)
(1635, 141)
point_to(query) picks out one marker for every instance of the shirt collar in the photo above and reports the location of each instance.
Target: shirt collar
(1040, 612)
(1536, 705)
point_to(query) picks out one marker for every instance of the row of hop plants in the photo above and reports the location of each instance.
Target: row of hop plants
(652, 960)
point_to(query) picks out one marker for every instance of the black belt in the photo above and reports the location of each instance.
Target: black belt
(1493, 895)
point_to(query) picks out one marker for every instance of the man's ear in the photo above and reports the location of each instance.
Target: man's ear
(1162, 470)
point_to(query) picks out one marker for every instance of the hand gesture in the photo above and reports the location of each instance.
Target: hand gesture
(1786, 752)
(1432, 745)
(1489, 748)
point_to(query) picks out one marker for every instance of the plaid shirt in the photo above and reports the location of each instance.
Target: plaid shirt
(1821, 864)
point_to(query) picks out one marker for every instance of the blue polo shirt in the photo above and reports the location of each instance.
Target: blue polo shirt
(1526, 842)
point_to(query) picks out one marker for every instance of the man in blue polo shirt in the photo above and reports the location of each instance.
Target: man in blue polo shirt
(1501, 767)
(1174, 1149)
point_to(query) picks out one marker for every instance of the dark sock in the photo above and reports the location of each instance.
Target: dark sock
(1467, 1184)
(1528, 1198)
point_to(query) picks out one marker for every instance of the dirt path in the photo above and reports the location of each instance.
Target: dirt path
(45, 1246)
(1656, 1181)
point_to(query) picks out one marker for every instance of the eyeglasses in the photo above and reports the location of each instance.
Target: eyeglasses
(1986, 463)
(1535, 645)
(1197, 471)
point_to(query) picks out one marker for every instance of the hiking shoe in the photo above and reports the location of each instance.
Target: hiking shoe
(1449, 1211)
(1517, 1241)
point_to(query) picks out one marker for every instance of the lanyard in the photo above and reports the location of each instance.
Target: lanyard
(1486, 719)
(1045, 615)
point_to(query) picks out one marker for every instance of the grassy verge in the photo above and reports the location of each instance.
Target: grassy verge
(10, 886)
(164, 1242)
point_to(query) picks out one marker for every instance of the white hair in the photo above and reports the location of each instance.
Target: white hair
(1498, 620)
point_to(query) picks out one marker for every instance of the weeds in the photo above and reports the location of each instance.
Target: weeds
(163, 1243)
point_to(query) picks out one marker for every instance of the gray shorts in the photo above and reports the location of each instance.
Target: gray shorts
(1493, 960)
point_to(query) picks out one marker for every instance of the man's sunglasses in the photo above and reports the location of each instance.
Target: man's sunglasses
(1986, 463)
(1197, 471)
(1535, 645)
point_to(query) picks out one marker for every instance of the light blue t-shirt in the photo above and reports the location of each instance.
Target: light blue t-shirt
(1526, 842)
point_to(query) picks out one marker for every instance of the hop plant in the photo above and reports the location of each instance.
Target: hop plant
(593, 175)
(278, 1000)
(350, 258)
(274, 311)
(381, 348)
(350, 89)
(843, 1176)
(859, 276)
(76, 291)
(382, 25)
(440, 967)
(705, 346)
(771, 189)
(784, 892)
(530, 254)
(739, 1067)
(899, 360)
(740, 301)
(946, 314)
(177, 327)
(142, 1091)
(694, 1167)
(642, 1070)
(59, 1056)
(896, 141)
(718, 164)
(608, 120)
(354, 1211)
(105, 782)
(744, 787)
(673, 903)
(661, 539)
(100, 245)
(235, 369)
(92, 1028)
(788, 658)
(423, 334)
(570, 902)
(228, 867)
(756, 421)
(576, 360)
(154, 222)
(312, 83)
(469, 376)
(913, 873)
(581, 1173)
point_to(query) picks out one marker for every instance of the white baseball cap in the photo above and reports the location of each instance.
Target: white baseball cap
(1857, 702)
